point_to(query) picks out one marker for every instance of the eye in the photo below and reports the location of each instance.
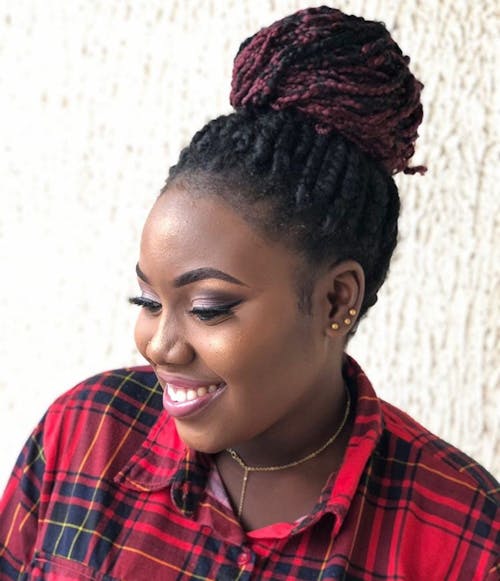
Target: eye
(146, 303)
(213, 312)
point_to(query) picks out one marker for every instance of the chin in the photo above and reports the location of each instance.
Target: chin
(201, 442)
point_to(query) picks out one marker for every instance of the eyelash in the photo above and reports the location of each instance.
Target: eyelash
(148, 304)
(203, 315)
(208, 314)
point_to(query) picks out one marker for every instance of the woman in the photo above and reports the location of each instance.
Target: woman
(252, 446)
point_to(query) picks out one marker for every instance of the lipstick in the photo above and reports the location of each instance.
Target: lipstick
(184, 397)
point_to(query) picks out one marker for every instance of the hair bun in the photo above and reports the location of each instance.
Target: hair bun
(343, 72)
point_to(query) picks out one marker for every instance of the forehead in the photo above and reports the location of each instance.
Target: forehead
(185, 231)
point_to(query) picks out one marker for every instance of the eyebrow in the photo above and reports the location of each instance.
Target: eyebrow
(195, 275)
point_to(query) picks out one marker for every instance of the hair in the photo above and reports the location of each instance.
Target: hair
(326, 110)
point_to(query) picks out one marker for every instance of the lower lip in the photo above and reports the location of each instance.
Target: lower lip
(189, 408)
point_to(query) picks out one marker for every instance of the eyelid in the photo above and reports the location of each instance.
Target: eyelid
(147, 293)
(214, 304)
(215, 313)
(147, 299)
(148, 304)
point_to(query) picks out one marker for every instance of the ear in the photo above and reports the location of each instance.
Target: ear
(345, 296)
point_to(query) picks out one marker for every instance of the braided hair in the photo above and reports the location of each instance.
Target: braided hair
(326, 111)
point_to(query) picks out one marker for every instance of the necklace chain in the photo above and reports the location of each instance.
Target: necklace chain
(247, 469)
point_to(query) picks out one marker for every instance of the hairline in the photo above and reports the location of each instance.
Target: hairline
(203, 183)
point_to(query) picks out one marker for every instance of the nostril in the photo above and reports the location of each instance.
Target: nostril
(172, 351)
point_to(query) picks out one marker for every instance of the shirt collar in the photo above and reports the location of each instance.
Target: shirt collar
(163, 460)
(339, 491)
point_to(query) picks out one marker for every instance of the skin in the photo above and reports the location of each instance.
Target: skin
(285, 393)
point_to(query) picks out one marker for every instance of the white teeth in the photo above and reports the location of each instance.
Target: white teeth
(181, 395)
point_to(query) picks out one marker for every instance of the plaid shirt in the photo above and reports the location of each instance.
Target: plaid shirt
(105, 489)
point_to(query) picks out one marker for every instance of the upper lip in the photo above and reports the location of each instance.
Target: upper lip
(183, 381)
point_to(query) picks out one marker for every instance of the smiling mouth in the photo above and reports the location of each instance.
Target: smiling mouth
(179, 394)
(184, 402)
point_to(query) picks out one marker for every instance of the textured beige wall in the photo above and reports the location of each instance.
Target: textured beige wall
(96, 99)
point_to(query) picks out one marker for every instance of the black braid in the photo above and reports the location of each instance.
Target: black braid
(327, 110)
(320, 193)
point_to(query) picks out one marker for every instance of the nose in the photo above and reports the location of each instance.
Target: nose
(167, 346)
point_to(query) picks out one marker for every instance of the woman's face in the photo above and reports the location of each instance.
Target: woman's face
(221, 327)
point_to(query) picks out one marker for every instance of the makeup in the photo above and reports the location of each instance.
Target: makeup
(183, 397)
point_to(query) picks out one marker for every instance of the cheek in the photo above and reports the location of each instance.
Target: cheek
(259, 351)
(220, 351)
(142, 333)
(287, 355)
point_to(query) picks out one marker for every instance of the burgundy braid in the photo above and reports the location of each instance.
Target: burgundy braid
(345, 73)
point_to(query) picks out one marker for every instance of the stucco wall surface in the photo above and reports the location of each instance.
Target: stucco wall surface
(96, 99)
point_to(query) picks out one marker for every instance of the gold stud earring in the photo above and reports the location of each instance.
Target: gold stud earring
(347, 321)
(334, 326)
(352, 312)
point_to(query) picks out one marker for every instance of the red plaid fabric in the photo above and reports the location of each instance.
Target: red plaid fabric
(104, 489)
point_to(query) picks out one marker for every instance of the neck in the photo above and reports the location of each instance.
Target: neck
(305, 431)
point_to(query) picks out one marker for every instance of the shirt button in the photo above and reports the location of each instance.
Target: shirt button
(243, 558)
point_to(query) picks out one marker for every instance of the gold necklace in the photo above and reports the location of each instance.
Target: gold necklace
(247, 469)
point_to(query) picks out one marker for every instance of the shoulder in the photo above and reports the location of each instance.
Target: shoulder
(123, 389)
(440, 504)
(407, 443)
(111, 412)
(87, 435)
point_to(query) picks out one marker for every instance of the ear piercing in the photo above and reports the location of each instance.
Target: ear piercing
(347, 320)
